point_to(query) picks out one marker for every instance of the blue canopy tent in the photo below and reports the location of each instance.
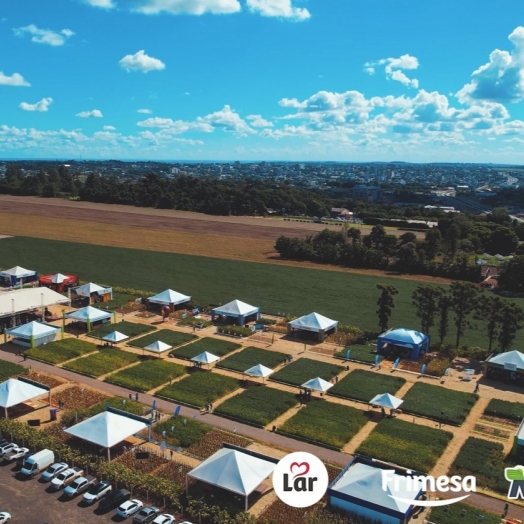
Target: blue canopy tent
(17, 275)
(417, 342)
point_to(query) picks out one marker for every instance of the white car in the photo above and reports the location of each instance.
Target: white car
(15, 453)
(129, 507)
(4, 517)
(7, 447)
(97, 492)
(165, 518)
(63, 479)
(53, 470)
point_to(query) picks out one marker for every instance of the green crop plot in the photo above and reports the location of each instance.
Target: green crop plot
(103, 362)
(167, 336)
(131, 329)
(305, 369)
(62, 350)
(211, 345)
(251, 356)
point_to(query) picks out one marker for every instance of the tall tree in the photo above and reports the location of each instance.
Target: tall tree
(488, 310)
(512, 319)
(512, 275)
(426, 300)
(432, 242)
(444, 307)
(385, 304)
(463, 302)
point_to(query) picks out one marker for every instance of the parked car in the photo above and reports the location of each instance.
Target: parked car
(38, 462)
(165, 518)
(15, 453)
(65, 478)
(146, 515)
(4, 517)
(97, 492)
(7, 447)
(128, 508)
(114, 499)
(79, 485)
(52, 471)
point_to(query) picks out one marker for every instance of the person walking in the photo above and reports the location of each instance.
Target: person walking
(477, 387)
(506, 509)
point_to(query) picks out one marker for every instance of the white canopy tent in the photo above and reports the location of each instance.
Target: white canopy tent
(88, 315)
(317, 384)
(259, 371)
(158, 346)
(21, 300)
(58, 278)
(236, 309)
(168, 298)
(205, 358)
(115, 337)
(108, 428)
(17, 274)
(313, 323)
(94, 291)
(511, 359)
(15, 391)
(385, 400)
(234, 471)
(33, 334)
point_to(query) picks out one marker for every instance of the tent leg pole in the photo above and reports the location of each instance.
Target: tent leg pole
(109, 454)
(245, 503)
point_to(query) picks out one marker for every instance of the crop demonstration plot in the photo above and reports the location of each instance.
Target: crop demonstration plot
(361, 353)
(147, 375)
(179, 433)
(257, 405)
(251, 356)
(167, 336)
(325, 423)
(364, 385)
(8, 370)
(199, 388)
(463, 513)
(406, 444)
(439, 403)
(211, 345)
(305, 369)
(131, 329)
(103, 362)
(504, 409)
(61, 350)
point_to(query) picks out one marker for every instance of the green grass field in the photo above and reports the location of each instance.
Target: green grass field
(251, 356)
(103, 362)
(131, 329)
(199, 388)
(274, 288)
(147, 375)
(304, 369)
(258, 405)
(9, 370)
(463, 513)
(180, 434)
(217, 347)
(429, 401)
(61, 350)
(360, 353)
(328, 424)
(364, 385)
(406, 444)
(167, 336)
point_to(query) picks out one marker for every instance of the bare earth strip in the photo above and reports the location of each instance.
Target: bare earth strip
(143, 229)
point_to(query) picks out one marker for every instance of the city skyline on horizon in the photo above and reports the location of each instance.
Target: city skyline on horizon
(255, 80)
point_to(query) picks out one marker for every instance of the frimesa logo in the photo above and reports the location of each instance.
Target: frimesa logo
(515, 476)
(300, 479)
(398, 485)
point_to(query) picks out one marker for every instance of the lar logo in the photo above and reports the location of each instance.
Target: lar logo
(300, 479)
(515, 476)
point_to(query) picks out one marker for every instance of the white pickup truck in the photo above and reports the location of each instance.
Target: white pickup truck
(65, 478)
(79, 485)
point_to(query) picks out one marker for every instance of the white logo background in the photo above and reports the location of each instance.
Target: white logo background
(300, 470)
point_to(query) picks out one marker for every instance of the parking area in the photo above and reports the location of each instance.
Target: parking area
(30, 503)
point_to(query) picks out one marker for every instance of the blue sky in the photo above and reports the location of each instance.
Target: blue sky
(346, 80)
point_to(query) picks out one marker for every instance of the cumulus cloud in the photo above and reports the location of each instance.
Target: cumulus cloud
(141, 62)
(228, 120)
(258, 121)
(109, 128)
(502, 78)
(14, 80)
(41, 106)
(393, 67)
(96, 113)
(192, 7)
(44, 36)
(144, 111)
(278, 8)
(175, 126)
(104, 4)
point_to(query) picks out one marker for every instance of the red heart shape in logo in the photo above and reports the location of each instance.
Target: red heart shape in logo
(304, 465)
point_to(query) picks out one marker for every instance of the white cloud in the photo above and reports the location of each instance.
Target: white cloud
(109, 128)
(228, 120)
(192, 7)
(14, 80)
(104, 4)
(278, 8)
(45, 36)
(258, 121)
(41, 106)
(393, 67)
(144, 111)
(141, 62)
(502, 78)
(96, 113)
(175, 126)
